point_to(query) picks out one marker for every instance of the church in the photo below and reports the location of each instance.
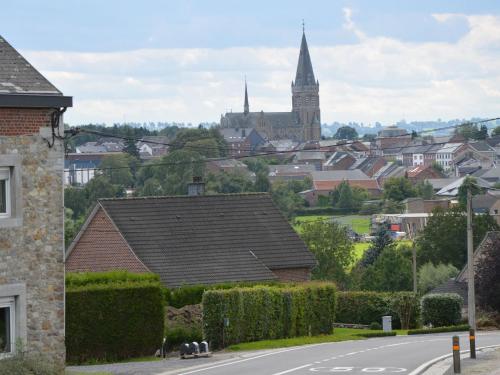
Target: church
(302, 124)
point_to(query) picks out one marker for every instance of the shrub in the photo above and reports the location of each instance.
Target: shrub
(75, 279)
(113, 319)
(441, 309)
(430, 275)
(376, 334)
(28, 364)
(178, 335)
(368, 307)
(375, 326)
(267, 312)
(423, 331)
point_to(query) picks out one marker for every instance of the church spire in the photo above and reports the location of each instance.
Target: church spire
(305, 74)
(246, 107)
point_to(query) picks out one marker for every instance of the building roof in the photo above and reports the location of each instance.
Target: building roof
(452, 286)
(368, 184)
(452, 188)
(310, 155)
(305, 73)
(210, 238)
(482, 203)
(439, 183)
(337, 156)
(24, 86)
(481, 146)
(290, 169)
(449, 147)
(354, 174)
(392, 131)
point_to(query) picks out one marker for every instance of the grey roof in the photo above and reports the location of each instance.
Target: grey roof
(310, 155)
(452, 286)
(281, 169)
(481, 146)
(392, 131)
(337, 156)
(209, 239)
(18, 76)
(452, 188)
(482, 203)
(305, 74)
(491, 175)
(354, 174)
(439, 183)
(252, 119)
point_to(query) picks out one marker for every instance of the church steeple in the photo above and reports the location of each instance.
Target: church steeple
(246, 107)
(305, 73)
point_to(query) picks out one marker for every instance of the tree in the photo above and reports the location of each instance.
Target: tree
(398, 189)
(381, 241)
(391, 271)
(431, 276)
(346, 132)
(424, 189)
(496, 131)
(368, 137)
(262, 183)
(118, 169)
(438, 167)
(348, 198)
(467, 130)
(189, 140)
(468, 183)
(228, 182)
(488, 276)
(333, 249)
(444, 238)
(131, 148)
(284, 194)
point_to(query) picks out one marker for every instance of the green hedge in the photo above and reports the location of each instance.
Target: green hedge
(267, 312)
(113, 320)
(376, 334)
(423, 331)
(369, 307)
(75, 279)
(441, 310)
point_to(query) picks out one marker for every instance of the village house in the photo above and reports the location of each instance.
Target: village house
(242, 141)
(186, 240)
(31, 209)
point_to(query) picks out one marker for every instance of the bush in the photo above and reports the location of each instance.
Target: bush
(431, 276)
(267, 312)
(114, 318)
(423, 331)
(375, 326)
(76, 279)
(178, 335)
(442, 309)
(29, 364)
(376, 334)
(368, 307)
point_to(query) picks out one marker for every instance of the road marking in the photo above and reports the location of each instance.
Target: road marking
(293, 369)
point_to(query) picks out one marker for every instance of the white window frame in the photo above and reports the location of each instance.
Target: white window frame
(10, 303)
(5, 175)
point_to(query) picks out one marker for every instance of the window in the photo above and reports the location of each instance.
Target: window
(7, 326)
(5, 205)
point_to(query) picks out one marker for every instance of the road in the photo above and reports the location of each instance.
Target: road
(387, 355)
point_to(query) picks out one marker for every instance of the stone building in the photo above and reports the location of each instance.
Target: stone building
(302, 124)
(31, 209)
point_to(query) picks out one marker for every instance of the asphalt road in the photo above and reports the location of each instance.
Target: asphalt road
(388, 355)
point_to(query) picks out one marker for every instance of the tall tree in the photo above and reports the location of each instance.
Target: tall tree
(131, 148)
(346, 132)
(398, 189)
(379, 243)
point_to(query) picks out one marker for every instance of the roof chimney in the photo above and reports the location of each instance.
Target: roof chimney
(197, 187)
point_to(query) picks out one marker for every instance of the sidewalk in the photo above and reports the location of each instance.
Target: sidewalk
(487, 363)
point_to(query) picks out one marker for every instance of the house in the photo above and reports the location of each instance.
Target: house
(228, 166)
(487, 203)
(79, 168)
(369, 165)
(312, 157)
(389, 170)
(186, 240)
(242, 141)
(391, 137)
(100, 147)
(288, 172)
(420, 205)
(439, 183)
(459, 284)
(447, 154)
(491, 175)
(422, 172)
(480, 151)
(153, 147)
(452, 188)
(414, 155)
(339, 161)
(31, 209)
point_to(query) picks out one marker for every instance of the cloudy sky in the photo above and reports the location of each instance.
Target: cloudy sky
(185, 61)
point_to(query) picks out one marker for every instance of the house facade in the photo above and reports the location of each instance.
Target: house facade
(31, 209)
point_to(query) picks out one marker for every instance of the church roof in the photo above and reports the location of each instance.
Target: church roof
(251, 119)
(305, 74)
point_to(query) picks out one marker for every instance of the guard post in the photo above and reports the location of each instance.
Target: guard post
(472, 341)
(456, 355)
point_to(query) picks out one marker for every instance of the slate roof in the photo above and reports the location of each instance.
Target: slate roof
(354, 174)
(452, 188)
(305, 74)
(210, 238)
(482, 203)
(18, 76)
(252, 119)
(481, 146)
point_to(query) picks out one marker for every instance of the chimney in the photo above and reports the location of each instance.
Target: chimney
(197, 187)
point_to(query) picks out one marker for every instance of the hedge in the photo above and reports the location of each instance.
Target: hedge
(113, 319)
(441, 310)
(423, 331)
(376, 334)
(267, 312)
(369, 307)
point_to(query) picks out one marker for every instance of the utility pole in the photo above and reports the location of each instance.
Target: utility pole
(414, 253)
(470, 263)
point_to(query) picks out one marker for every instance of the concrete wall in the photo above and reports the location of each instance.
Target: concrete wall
(32, 246)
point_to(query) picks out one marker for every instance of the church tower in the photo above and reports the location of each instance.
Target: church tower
(246, 107)
(305, 95)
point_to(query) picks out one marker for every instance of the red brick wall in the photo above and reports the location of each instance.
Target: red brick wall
(102, 248)
(23, 121)
(293, 274)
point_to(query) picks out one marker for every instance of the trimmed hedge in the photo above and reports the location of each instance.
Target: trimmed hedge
(266, 312)
(376, 334)
(113, 319)
(423, 331)
(369, 307)
(441, 310)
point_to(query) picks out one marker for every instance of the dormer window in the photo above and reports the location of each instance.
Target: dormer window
(5, 194)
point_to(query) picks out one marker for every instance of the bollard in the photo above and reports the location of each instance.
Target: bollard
(472, 341)
(456, 355)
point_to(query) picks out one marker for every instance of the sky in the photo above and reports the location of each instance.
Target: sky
(186, 61)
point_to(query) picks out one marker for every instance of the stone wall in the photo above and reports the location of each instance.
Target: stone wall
(32, 250)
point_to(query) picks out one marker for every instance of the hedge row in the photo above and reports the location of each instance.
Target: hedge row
(444, 309)
(266, 312)
(423, 331)
(376, 334)
(369, 307)
(112, 320)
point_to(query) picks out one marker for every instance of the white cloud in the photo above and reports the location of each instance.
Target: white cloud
(375, 79)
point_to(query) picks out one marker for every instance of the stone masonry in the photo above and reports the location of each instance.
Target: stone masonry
(32, 250)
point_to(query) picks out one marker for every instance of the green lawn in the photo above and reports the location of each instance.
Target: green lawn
(340, 334)
(359, 249)
(359, 223)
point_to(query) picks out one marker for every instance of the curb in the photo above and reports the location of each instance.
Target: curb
(428, 365)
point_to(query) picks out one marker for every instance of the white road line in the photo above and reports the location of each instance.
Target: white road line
(293, 369)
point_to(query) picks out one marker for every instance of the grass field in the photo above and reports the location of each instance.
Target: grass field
(340, 334)
(359, 223)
